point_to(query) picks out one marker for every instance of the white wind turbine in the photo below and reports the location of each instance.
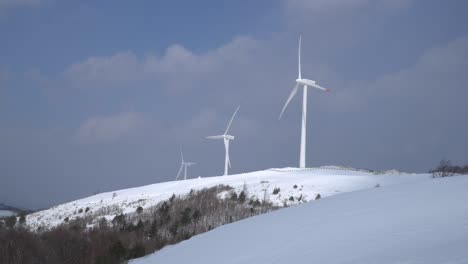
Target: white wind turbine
(183, 166)
(226, 138)
(305, 83)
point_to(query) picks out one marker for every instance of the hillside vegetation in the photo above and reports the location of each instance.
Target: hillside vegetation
(131, 235)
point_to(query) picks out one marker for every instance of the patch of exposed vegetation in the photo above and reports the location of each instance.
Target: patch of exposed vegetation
(446, 169)
(127, 236)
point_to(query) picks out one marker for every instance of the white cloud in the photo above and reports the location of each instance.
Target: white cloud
(123, 66)
(111, 128)
(178, 68)
(179, 59)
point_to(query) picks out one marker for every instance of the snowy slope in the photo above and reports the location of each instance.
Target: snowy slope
(327, 181)
(419, 222)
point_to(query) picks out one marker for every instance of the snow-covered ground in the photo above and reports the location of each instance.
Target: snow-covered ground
(4, 213)
(293, 182)
(414, 223)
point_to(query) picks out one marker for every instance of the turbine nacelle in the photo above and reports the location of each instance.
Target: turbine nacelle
(310, 83)
(305, 82)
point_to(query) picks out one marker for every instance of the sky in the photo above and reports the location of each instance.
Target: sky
(102, 95)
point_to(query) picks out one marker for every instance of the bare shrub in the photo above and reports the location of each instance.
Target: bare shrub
(139, 210)
(446, 169)
(276, 190)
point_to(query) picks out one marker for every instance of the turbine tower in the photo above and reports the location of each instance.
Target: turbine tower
(226, 138)
(305, 82)
(183, 166)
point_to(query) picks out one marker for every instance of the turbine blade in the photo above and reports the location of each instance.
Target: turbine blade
(181, 156)
(299, 57)
(215, 137)
(180, 170)
(293, 92)
(232, 118)
(319, 87)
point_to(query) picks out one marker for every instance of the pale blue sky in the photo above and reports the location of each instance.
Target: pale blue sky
(98, 96)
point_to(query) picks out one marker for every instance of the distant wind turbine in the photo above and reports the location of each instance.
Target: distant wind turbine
(226, 138)
(305, 82)
(183, 166)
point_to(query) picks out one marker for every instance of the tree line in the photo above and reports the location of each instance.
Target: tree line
(127, 236)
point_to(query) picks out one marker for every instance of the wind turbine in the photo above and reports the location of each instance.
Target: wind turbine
(305, 82)
(226, 138)
(183, 166)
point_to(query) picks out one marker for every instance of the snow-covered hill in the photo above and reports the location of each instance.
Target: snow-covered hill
(420, 222)
(293, 182)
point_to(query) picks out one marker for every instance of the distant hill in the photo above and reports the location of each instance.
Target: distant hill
(7, 210)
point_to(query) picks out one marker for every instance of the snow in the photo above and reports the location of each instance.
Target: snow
(415, 222)
(327, 180)
(5, 213)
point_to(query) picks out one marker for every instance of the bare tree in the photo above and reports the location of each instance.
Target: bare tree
(444, 169)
